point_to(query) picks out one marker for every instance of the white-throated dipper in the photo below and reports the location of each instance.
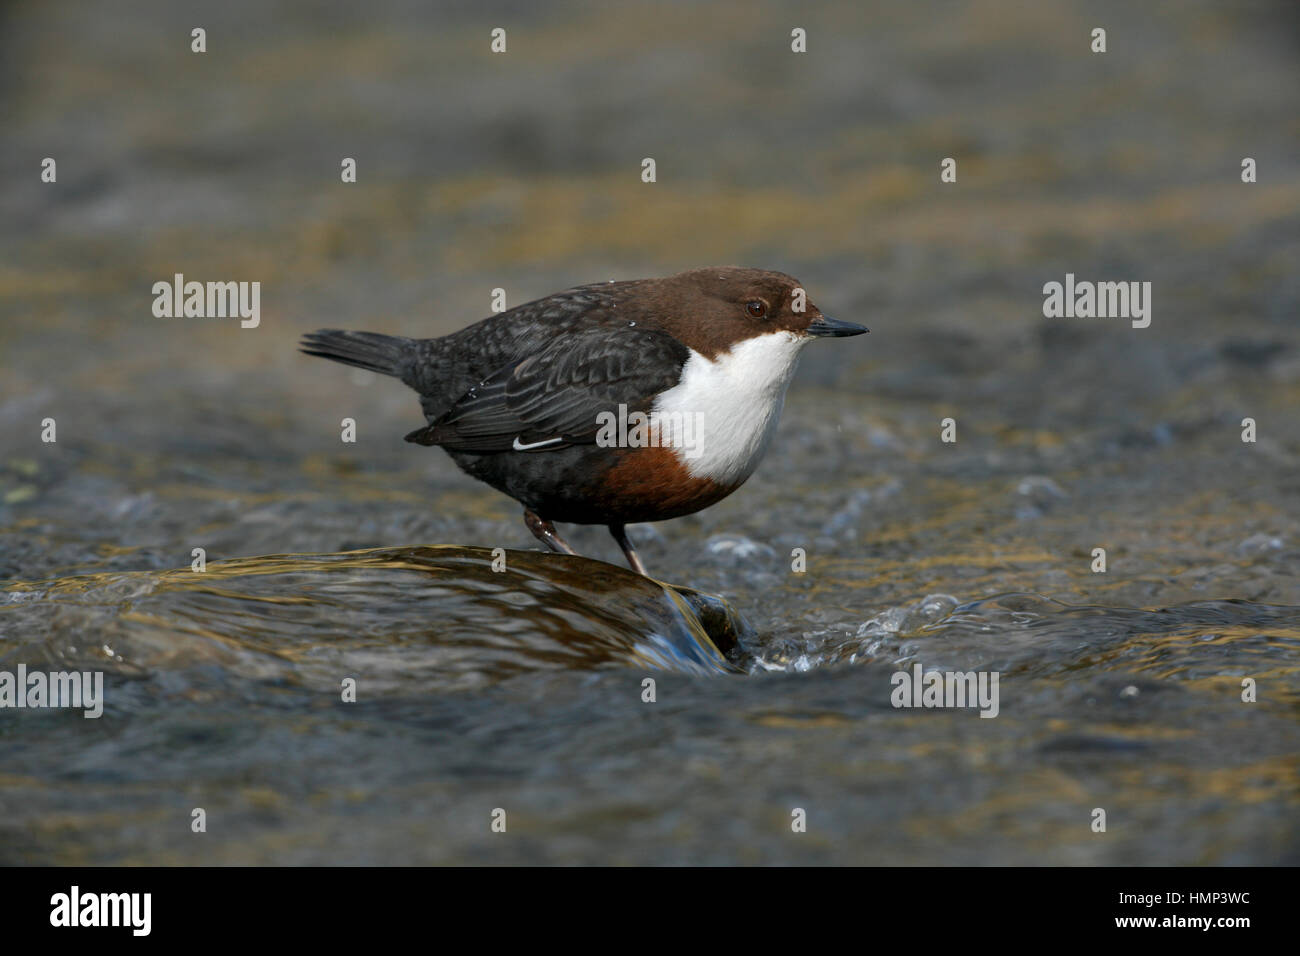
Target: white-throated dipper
(610, 403)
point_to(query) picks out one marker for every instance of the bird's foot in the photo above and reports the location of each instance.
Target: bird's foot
(545, 532)
(633, 559)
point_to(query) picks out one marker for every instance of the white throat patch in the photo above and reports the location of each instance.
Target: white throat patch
(737, 399)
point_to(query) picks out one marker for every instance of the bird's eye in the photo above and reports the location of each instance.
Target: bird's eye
(757, 308)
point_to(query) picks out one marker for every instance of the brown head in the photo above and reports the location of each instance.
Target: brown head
(711, 310)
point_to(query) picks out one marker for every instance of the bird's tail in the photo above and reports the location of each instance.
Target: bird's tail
(369, 350)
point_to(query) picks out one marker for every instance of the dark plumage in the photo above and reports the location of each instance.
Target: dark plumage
(514, 399)
(558, 391)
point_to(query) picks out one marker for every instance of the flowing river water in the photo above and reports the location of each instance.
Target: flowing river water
(775, 621)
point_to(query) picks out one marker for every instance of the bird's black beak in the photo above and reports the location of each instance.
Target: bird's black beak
(824, 325)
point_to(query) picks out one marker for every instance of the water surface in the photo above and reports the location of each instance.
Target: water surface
(525, 689)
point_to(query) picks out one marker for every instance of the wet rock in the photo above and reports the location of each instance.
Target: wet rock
(418, 620)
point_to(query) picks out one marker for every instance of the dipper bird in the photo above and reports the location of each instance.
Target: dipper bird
(537, 400)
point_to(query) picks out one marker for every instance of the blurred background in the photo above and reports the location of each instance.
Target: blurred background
(523, 171)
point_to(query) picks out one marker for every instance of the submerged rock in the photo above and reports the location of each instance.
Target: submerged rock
(393, 618)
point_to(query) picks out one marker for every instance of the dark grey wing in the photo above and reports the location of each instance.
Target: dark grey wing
(444, 369)
(552, 398)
